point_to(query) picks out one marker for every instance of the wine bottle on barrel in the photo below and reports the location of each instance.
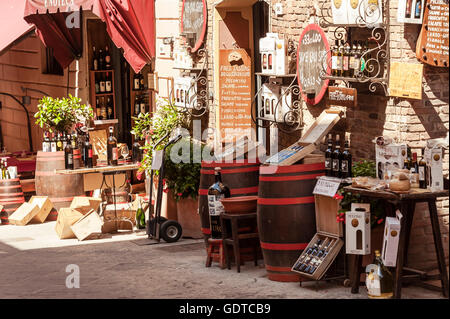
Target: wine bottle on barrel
(216, 192)
(87, 152)
(113, 152)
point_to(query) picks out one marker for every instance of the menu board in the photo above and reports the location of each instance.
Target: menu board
(312, 57)
(193, 20)
(405, 80)
(432, 45)
(235, 94)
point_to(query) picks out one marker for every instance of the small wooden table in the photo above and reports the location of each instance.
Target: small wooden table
(105, 171)
(407, 203)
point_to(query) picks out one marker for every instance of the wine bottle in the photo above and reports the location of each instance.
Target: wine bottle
(315, 246)
(379, 280)
(94, 60)
(323, 248)
(101, 61)
(68, 154)
(2, 170)
(340, 59)
(136, 82)
(97, 83)
(64, 140)
(328, 160)
(108, 83)
(354, 59)
(103, 109)
(334, 58)
(143, 107)
(326, 250)
(141, 82)
(46, 147)
(418, 10)
(422, 171)
(102, 83)
(346, 60)
(112, 151)
(140, 216)
(346, 162)
(137, 106)
(336, 158)
(59, 144)
(53, 143)
(109, 109)
(87, 152)
(408, 10)
(216, 192)
(107, 58)
(136, 155)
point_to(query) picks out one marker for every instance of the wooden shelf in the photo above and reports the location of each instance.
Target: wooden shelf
(102, 71)
(104, 94)
(276, 76)
(94, 96)
(106, 122)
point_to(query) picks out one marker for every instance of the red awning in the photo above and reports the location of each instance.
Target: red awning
(58, 25)
(12, 25)
(131, 26)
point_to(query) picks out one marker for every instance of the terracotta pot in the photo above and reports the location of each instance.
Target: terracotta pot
(189, 218)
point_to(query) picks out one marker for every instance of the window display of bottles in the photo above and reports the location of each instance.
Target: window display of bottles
(104, 108)
(140, 105)
(101, 60)
(138, 82)
(347, 59)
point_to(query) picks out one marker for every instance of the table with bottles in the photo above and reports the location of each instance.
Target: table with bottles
(406, 203)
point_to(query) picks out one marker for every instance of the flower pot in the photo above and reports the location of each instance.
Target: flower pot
(188, 218)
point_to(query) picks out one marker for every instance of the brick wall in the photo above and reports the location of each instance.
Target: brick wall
(407, 120)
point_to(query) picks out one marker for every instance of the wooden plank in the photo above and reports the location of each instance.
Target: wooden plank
(102, 169)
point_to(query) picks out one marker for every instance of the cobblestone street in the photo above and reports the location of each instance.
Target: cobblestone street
(121, 268)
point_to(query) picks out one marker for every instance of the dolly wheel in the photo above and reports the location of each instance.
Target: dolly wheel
(171, 231)
(152, 221)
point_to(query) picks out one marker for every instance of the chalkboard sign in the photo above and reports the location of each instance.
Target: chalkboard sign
(432, 45)
(193, 21)
(312, 59)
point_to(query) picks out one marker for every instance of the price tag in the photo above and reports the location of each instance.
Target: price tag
(327, 187)
(157, 159)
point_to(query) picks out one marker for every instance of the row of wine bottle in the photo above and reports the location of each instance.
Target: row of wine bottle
(104, 111)
(103, 83)
(418, 169)
(311, 259)
(338, 164)
(101, 60)
(417, 9)
(349, 60)
(4, 173)
(140, 105)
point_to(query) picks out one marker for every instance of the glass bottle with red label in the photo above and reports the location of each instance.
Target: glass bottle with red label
(112, 151)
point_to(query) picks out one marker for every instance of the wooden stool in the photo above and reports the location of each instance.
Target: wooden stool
(215, 250)
(235, 237)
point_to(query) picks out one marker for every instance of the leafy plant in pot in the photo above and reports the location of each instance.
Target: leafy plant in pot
(183, 178)
(62, 114)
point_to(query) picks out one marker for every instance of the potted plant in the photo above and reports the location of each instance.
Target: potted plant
(183, 178)
(62, 114)
(152, 127)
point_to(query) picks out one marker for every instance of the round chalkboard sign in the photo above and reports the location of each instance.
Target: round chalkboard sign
(312, 56)
(193, 22)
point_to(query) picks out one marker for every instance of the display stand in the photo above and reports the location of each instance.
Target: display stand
(406, 204)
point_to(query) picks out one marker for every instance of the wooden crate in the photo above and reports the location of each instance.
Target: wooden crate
(45, 207)
(87, 225)
(85, 204)
(66, 218)
(124, 211)
(24, 214)
(327, 228)
(307, 144)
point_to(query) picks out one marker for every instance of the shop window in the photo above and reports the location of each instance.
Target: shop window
(50, 64)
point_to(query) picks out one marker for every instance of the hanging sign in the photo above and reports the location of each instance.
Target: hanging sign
(405, 80)
(235, 94)
(432, 45)
(340, 96)
(193, 22)
(312, 56)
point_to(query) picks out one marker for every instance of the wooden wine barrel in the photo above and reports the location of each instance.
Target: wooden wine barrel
(11, 197)
(286, 215)
(241, 177)
(61, 189)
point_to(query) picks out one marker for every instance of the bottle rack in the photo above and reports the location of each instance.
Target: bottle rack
(377, 58)
(198, 102)
(292, 120)
(95, 95)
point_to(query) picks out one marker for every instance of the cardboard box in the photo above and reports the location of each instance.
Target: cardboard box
(66, 218)
(185, 91)
(45, 207)
(435, 177)
(329, 232)
(357, 230)
(24, 214)
(308, 143)
(391, 154)
(274, 59)
(410, 12)
(125, 220)
(87, 225)
(390, 241)
(85, 204)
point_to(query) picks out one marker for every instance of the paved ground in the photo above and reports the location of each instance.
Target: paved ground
(33, 263)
